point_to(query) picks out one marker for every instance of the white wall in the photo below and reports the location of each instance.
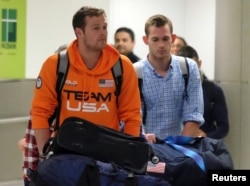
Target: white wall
(134, 13)
(49, 25)
(199, 31)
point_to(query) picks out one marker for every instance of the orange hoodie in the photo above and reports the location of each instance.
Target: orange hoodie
(88, 94)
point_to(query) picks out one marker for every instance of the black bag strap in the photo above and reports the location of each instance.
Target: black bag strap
(35, 178)
(62, 71)
(90, 175)
(131, 180)
(117, 72)
(185, 72)
(61, 74)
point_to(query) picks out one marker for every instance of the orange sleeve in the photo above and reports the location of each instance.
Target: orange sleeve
(45, 99)
(129, 99)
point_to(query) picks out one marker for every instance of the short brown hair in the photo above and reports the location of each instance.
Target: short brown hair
(79, 17)
(158, 20)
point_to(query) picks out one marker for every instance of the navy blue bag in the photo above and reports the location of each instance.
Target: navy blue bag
(185, 169)
(79, 170)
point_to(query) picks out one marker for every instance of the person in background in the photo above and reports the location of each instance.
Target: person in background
(178, 43)
(91, 60)
(168, 112)
(124, 42)
(215, 108)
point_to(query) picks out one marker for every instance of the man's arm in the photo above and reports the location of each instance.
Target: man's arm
(42, 136)
(193, 106)
(191, 128)
(44, 101)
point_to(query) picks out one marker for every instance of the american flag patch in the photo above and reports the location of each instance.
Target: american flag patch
(106, 83)
(157, 168)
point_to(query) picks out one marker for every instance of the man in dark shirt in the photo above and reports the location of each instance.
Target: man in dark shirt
(125, 42)
(215, 108)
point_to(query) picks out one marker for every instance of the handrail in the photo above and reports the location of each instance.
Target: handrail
(15, 80)
(14, 119)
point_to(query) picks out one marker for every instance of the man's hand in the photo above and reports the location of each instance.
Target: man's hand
(21, 144)
(192, 129)
(201, 133)
(150, 138)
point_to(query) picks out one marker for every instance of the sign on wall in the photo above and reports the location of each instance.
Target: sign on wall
(12, 38)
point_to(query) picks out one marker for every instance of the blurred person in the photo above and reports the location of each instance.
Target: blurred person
(215, 108)
(178, 43)
(125, 42)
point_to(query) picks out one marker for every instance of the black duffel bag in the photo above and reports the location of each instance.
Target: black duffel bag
(80, 136)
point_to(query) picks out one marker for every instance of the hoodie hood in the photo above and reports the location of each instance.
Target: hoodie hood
(106, 61)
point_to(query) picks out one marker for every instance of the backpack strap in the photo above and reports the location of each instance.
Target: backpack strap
(117, 72)
(62, 71)
(185, 72)
(138, 70)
